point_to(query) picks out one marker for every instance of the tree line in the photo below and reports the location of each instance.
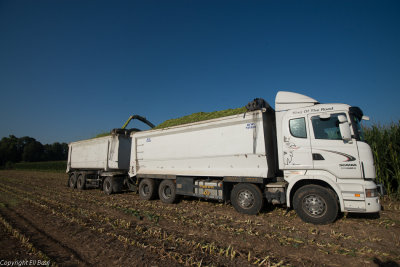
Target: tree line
(28, 149)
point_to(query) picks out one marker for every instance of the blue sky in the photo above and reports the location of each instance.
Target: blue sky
(72, 69)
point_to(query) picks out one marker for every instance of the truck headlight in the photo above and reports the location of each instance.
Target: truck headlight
(371, 192)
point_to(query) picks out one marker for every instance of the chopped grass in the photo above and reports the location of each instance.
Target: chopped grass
(200, 116)
(195, 117)
(102, 135)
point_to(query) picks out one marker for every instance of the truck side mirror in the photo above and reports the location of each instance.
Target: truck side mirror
(344, 128)
(365, 118)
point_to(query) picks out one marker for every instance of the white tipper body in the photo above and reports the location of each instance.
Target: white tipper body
(227, 146)
(105, 153)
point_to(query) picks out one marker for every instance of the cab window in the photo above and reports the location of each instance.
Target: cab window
(327, 128)
(298, 127)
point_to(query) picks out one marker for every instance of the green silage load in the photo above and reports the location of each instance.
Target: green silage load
(200, 116)
(195, 117)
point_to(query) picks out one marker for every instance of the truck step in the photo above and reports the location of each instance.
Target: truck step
(280, 184)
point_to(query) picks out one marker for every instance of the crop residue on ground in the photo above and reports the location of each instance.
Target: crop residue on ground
(72, 227)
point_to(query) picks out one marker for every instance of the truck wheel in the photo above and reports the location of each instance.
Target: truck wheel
(167, 191)
(72, 180)
(81, 181)
(247, 198)
(316, 204)
(108, 186)
(147, 189)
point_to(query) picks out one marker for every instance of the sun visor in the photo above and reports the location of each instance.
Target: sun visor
(288, 100)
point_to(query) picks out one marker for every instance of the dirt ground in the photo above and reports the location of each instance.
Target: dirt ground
(84, 228)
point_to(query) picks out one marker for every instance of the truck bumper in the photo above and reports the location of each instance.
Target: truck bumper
(355, 198)
(372, 204)
(368, 205)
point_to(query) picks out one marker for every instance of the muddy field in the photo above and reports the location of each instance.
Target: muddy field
(43, 220)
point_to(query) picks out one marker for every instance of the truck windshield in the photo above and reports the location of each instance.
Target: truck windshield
(355, 117)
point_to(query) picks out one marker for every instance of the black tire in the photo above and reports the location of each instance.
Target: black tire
(81, 181)
(167, 191)
(316, 204)
(147, 189)
(108, 185)
(72, 180)
(247, 198)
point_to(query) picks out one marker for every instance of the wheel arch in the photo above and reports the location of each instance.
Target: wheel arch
(321, 181)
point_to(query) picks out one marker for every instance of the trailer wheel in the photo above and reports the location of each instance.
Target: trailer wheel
(167, 191)
(147, 189)
(316, 204)
(247, 198)
(72, 180)
(108, 185)
(81, 181)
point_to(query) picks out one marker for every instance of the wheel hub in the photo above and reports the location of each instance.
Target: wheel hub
(146, 190)
(246, 199)
(167, 192)
(314, 205)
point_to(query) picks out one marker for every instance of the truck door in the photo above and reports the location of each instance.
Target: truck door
(296, 143)
(329, 151)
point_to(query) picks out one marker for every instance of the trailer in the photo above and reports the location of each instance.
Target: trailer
(303, 154)
(103, 162)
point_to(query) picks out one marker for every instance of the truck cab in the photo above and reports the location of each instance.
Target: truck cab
(323, 146)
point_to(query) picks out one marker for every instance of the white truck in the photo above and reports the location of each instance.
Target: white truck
(306, 155)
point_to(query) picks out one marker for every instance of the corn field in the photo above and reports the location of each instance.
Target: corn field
(385, 143)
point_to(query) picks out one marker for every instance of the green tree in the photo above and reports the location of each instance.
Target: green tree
(10, 150)
(33, 151)
(55, 151)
